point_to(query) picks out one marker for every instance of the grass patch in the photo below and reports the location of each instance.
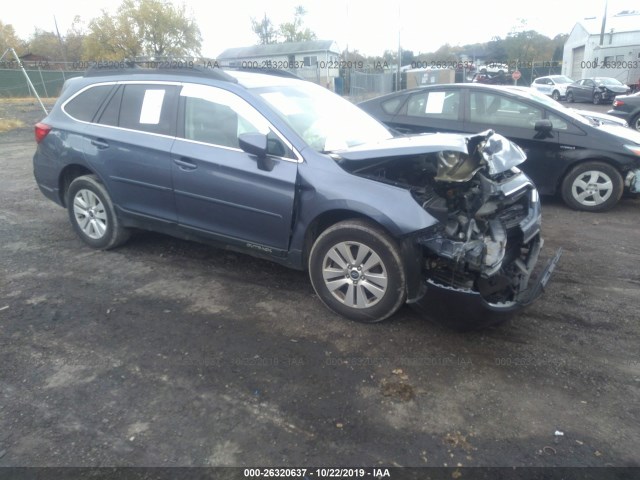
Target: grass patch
(10, 124)
(11, 100)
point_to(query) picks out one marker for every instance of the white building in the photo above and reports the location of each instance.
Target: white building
(616, 55)
(315, 60)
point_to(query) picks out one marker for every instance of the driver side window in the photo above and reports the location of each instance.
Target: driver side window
(496, 109)
(218, 117)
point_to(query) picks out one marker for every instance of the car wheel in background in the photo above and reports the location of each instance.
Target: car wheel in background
(92, 214)
(556, 95)
(356, 270)
(592, 187)
(635, 123)
(570, 97)
(597, 98)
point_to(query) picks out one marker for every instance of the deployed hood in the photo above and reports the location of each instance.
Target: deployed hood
(458, 157)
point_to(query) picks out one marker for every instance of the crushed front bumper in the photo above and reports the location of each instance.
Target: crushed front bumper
(466, 309)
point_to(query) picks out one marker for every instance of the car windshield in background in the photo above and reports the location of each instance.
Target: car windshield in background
(607, 81)
(325, 121)
(550, 102)
(562, 79)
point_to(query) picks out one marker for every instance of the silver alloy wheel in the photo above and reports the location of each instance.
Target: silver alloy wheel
(592, 188)
(90, 214)
(636, 123)
(354, 274)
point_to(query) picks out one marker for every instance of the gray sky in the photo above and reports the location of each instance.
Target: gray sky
(367, 26)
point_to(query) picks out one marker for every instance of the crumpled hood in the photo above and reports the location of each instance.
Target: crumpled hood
(409, 145)
(496, 151)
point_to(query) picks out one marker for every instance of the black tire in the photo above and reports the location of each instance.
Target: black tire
(635, 123)
(592, 187)
(92, 214)
(352, 253)
(556, 95)
(570, 98)
(597, 98)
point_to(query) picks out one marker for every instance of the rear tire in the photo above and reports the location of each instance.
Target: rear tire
(592, 187)
(635, 123)
(570, 98)
(356, 270)
(556, 95)
(92, 214)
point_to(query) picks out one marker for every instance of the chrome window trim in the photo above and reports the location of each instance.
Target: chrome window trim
(298, 159)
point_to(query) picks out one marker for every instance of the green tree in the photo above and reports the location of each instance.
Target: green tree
(143, 28)
(46, 44)
(74, 40)
(264, 30)
(9, 39)
(294, 31)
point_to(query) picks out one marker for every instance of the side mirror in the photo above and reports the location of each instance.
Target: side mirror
(543, 127)
(256, 144)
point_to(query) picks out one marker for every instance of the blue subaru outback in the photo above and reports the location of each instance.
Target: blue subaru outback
(284, 169)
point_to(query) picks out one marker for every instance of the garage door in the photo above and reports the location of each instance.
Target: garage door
(576, 67)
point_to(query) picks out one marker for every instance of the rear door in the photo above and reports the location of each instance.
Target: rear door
(130, 144)
(222, 190)
(432, 110)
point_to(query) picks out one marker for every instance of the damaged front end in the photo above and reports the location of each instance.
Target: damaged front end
(479, 258)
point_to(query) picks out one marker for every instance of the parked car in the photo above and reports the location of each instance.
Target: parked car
(284, 169)
(588, 163)
(596, 90)
(627, 107)
(492, 78)
(553, 85)
(494, 68)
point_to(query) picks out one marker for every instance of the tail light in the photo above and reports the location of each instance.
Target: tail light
(617, 103)
(41, 131)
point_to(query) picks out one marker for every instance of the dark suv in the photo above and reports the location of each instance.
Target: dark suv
(284, 169)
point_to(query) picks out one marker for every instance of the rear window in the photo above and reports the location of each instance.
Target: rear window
(84, 106)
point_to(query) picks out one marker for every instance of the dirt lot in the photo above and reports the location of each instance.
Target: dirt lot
(167, 353)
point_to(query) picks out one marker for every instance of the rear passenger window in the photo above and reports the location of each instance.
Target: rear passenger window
(84, 106)
(111, 113)
(149, 108)
(434, 104)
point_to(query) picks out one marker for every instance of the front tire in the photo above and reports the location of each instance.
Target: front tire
(356, 270)
(92, 214)
(592, 187)
(597, 98)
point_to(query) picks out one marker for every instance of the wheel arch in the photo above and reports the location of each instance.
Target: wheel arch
(590, 158)
(327, 219)
(68, 174)
(410, 254)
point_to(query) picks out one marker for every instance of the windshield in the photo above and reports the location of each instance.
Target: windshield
(562, 79)
(536, 96)
(607, 81)
(325, 121)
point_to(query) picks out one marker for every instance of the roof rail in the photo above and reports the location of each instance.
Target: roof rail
(266, 71)
(172, 67)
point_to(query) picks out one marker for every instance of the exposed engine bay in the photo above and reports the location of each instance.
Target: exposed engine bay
(487, 237)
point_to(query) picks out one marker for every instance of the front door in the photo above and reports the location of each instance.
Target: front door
(222, 190)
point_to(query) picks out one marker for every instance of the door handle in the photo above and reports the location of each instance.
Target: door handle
(185, 164)
(100, 143)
